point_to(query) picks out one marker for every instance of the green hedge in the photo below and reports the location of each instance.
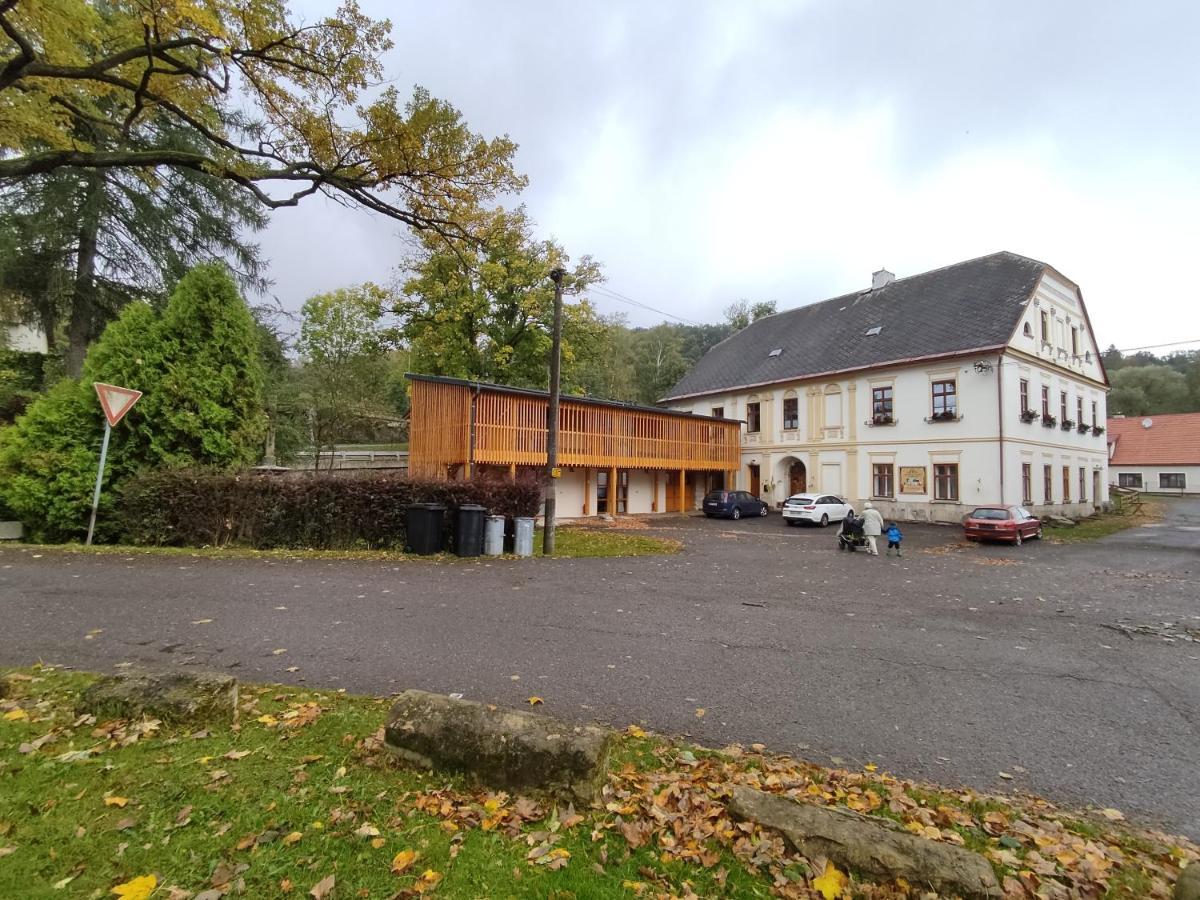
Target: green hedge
(314, 511)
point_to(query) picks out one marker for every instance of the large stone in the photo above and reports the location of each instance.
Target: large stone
(854, 841)
(518, 751)
(1188, 885)
(176, 697)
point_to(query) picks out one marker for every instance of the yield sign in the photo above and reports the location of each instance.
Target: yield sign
(116, 401)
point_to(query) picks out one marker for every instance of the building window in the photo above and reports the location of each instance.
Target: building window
(753, 419)
(945, 481)
(1129, 480)
(945, 399)
(1045, 401)
(1028, 330)
(882, 481)
(1078, 410)
(1082, 485)
(791, 413)
(1066, 473)
(1094, 422)
(1024, 395)
(602, 492)
(718, 412)
(1172, 481)
(1045, 326)
(1062, 406)
(622, 491)
(881, 405)
(1074, 341)
(1026, 482)
(1047, 484)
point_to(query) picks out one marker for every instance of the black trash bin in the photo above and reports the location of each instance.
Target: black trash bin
(468, 529)
(423, 527)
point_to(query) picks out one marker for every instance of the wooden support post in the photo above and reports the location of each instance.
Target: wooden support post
(654, 490)
(612, 490)
(587, 492)
(682, 490)
(512, 471)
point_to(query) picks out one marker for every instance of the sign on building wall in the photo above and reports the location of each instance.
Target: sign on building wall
(912, 479)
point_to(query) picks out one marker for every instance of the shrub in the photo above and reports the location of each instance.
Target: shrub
(314, 511)
(198, 366)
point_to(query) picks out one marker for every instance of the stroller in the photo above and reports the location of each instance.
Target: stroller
(850, 535)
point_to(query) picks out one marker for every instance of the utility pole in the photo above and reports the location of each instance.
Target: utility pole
(556, 275)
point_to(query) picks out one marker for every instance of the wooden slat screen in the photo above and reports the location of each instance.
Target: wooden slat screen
(511, 429)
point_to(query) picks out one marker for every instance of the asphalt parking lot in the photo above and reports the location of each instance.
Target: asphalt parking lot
(1050, 663)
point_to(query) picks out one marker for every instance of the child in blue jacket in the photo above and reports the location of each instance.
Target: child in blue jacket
(894, 538)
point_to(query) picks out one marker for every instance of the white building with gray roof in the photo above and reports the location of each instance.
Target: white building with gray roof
(977, 383)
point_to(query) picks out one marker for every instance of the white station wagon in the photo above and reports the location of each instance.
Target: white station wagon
(815, 509)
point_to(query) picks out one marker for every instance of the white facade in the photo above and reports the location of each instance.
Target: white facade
(25, 338)
(918, 467)
(1157, 479)
(577, 493)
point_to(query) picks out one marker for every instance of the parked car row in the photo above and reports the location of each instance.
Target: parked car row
(1014, 524)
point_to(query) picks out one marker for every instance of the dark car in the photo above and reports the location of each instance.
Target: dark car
(733, 504)
(1001, 523)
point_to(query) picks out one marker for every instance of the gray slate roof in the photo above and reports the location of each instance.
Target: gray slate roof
(963, 307)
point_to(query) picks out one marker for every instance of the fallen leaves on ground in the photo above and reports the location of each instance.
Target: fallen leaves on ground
(831, 882)
(323, 888)
(137, 889)
(402, 860)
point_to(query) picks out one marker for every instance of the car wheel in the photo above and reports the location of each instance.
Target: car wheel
(763, 511)
(849, 514)
(1019, 540)
(1038, 534)
(736, 514)
(824, 520)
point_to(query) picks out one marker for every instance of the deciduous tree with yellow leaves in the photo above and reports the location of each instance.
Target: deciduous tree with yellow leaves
(280, 107)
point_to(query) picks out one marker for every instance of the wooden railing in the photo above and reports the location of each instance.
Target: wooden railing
(510, 429)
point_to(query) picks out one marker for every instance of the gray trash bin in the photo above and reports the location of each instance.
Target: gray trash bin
(493, 536)
(523, 536)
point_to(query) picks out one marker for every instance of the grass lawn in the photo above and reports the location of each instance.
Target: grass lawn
(1104, 524)
(570, 542)
(581, 541)
(300, 792)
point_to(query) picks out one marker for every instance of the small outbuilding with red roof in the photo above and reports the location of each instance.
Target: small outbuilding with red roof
(1159, 454)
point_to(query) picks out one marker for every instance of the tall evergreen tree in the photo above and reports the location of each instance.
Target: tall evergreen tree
(198, 364)
(80, 244)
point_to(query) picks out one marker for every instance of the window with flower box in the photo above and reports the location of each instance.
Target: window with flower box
(945, 399)
(881, 405)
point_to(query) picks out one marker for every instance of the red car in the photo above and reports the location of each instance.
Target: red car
(1001, 523)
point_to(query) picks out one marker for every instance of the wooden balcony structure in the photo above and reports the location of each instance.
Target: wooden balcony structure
(459, 427)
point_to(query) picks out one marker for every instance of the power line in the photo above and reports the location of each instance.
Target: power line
(1159, 346)
(615, 295)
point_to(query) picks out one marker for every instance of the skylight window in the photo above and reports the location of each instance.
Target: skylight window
(873, 330)
(776, 351)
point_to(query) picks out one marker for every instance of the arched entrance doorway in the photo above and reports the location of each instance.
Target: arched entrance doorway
(797, 478)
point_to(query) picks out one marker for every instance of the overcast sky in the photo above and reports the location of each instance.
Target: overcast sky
(706, 152)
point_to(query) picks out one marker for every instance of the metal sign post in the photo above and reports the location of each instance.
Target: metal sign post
(115, 401)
